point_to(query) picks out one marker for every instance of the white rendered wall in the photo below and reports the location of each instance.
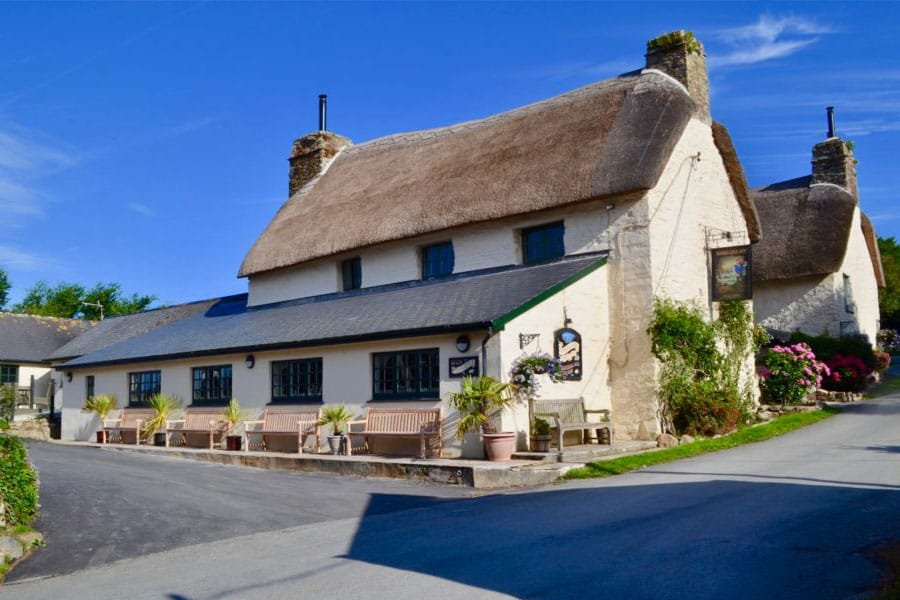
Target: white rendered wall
(347, 379)
(807, 304)
(858, 265)
(478, 246)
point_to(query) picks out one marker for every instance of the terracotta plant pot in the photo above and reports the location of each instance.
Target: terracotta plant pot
(232, 442)
(540, 443)
(499, 446)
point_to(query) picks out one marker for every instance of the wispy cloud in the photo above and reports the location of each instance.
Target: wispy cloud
(142, 209)
(768, 38)
(582, 69)
(18, 259)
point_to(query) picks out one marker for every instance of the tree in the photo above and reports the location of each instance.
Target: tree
(73, 301)
(889, 296)
(4, 288)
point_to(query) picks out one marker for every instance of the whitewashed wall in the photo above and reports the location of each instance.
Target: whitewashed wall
(858, 266)
(475, 247)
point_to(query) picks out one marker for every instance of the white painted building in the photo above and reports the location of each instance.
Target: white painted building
(817, 269)
(394, 257)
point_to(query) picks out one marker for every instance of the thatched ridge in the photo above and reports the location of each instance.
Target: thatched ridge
(738, 179)
(607, 138)
(805, 229)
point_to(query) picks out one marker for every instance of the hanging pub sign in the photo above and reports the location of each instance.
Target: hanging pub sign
(731, 275)
(463, 366)
(567, 349)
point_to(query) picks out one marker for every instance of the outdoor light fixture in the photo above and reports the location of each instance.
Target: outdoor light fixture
(69, 376)
(463, 343)
(249, 361)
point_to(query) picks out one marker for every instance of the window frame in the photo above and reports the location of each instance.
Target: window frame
(155, 377)
(433, 250)
(5, 369)
(431, 355)
(224, 390)
(88, 387)
(351, 274)
(527, 259)
(309, 374)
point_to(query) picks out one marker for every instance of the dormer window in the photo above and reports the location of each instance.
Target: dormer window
(351, 274)
(543, 243)
(437, 260)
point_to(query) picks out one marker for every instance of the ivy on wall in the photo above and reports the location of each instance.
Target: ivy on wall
(701, 388)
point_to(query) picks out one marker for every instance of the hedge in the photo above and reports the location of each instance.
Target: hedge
(18, 483)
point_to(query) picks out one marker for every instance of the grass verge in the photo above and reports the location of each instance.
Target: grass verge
(747, 435)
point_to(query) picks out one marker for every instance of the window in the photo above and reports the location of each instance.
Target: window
(437, 260)
(89, 387)
(542, 243)
(351, 274)
(9, 374)
(142, 385)
(212, 385)
(849, 304)
(297, 380)
(410, 374)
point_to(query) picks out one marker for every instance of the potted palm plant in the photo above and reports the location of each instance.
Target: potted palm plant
(232, 415)
(163, 406)
(478, 400)
(540, 435)
(336, 416)
(101, 405)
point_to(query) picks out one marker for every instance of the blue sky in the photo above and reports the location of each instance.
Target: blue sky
(146, 143)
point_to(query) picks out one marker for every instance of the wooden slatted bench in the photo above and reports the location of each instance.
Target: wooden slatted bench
(209, 421)
(571, 415)
(131, 420)
(284, 421)
(418, 423)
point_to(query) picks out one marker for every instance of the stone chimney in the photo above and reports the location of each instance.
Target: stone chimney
(311, 154)
(833, 162)
(680, 55)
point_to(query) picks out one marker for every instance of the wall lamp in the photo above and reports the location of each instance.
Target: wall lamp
(462, 343)
(250, 361)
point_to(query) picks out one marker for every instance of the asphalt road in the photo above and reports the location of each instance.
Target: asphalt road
(801, 516)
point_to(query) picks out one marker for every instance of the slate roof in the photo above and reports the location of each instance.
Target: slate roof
(31, 339)
(465, 301)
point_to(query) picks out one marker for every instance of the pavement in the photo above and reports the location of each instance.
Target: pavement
(800, 516)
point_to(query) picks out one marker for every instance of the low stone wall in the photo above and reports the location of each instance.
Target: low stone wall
(767, 412)
(35, 429)
(826, 396)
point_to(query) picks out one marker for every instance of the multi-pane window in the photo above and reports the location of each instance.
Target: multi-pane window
(142, 385)
(542, 243)
(849, 304)
(212, 385)
(9, 374)
(88, 387)
(437, 260)
(351, 274)
(409, 374)
(297, 380)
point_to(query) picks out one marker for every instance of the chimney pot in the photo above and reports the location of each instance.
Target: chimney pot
(323, 105)
(829, 113)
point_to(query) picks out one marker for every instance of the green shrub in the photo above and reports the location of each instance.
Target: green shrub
(18, 483)
(4, 424)
(7, 402)
(790, 372)
(826, 347)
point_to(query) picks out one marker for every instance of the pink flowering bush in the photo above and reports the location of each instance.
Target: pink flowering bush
(848, 374)
(789, 372)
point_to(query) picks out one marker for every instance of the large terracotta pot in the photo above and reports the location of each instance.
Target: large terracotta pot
(499, 446)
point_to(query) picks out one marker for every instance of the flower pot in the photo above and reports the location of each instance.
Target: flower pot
(159, 439)
(334, 442)
(100, 437)
(499, 446)
(232, 442)
(540, 443)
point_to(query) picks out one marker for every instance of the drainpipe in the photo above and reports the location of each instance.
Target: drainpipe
(490, 334)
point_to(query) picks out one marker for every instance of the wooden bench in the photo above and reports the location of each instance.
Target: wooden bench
(208, 421)
(131, 420)
(418, 423)
(284, 421)
(571, 415)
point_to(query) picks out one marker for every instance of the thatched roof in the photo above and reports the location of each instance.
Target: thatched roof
(32, 339)
(738, 179)
(612, 137)
(805, 229)
(872, 244)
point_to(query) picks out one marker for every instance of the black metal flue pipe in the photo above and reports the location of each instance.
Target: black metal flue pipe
(323, 103)
(829, 110)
